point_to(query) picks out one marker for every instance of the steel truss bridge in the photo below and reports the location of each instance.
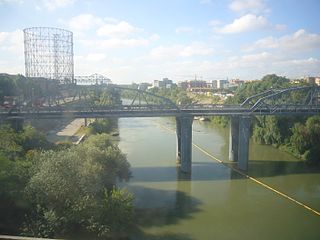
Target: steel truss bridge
(77, 103)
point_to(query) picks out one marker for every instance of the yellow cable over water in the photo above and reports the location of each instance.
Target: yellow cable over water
(249, 177)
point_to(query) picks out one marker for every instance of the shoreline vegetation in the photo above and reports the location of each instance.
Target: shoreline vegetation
(54, 189)
(61, 189)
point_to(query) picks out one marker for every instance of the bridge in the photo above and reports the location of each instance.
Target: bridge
(304, 100)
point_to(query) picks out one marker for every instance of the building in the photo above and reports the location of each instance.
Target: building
(237, 82)
(164, 83)
(310, 80)
(221, 84)
(183, 85)
(144, 86)
(196, 86)
(214, 84)
(157, 83)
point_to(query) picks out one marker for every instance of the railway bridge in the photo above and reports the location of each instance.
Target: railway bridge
(290, 101)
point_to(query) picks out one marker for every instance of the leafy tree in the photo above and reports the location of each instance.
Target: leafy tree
(267, 82)
(102, 126)
(76, 188)
(305, 139)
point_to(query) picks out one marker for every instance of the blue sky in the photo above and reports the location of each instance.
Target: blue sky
(142, 40)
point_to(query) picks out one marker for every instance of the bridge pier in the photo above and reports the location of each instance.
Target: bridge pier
(178, 131)
(184, 142)
(16, 123)
(234, 138)
(244, 136)
(239, 140)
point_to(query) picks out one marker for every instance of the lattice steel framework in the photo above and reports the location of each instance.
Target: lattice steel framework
(49, 53)
(96, 79)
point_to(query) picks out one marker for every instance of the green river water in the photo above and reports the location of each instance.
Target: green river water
(215, 202)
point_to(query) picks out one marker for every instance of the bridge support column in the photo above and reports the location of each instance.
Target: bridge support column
(244, 136)
(85, 122)
(16, 123)
(178, 131)
(186, 143)
(234, 138)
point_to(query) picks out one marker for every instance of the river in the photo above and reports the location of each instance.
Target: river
(215, 202)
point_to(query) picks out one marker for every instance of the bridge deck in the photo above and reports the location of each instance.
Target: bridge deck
(124, 111)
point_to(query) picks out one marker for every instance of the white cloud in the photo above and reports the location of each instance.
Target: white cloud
(280, 27)
(115, 43)
(54, 4)
(12, 41)
(254, 58)
(215, 23)
(299, 41)
(194, 49)
(248, 6)
(249, 22)
(11, 1)
(119, 29)
(184, 30)
(154, 37)
(11, 49)
(84, 22)
(96, 57)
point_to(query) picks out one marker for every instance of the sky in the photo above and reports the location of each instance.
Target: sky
(143, 40)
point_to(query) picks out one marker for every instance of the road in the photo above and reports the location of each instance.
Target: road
(66, 132)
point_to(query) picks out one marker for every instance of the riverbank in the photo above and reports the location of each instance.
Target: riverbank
(66, 132)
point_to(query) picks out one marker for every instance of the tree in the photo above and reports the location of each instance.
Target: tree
(76, 188)
(305, 139)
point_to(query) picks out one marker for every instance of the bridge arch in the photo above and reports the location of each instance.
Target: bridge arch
(273, 99)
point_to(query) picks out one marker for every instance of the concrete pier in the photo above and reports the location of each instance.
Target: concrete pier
(16, 123)
(234, 138)
(244, 136)
(178, 131)
(184, 142)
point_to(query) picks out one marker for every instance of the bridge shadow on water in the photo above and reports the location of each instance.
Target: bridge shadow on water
(272, 168)
(158, 207)
(201, 171)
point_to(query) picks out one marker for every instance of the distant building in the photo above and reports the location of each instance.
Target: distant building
(164, 83)
(236, 82)
(317, 81)
(167, 83)
(158, 83)
(296, 81)
(183, 85)
(221, 84)
(311, 80)
(144, 86)
(196, 86)
(214, 84)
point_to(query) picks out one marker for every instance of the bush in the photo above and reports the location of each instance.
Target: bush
(76, 188)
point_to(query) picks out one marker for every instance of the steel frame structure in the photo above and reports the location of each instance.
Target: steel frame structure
(94, 79)
(49, 53)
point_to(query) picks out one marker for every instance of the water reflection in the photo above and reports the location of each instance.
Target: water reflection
(183, 193)
(269, 168)
(201, 171)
